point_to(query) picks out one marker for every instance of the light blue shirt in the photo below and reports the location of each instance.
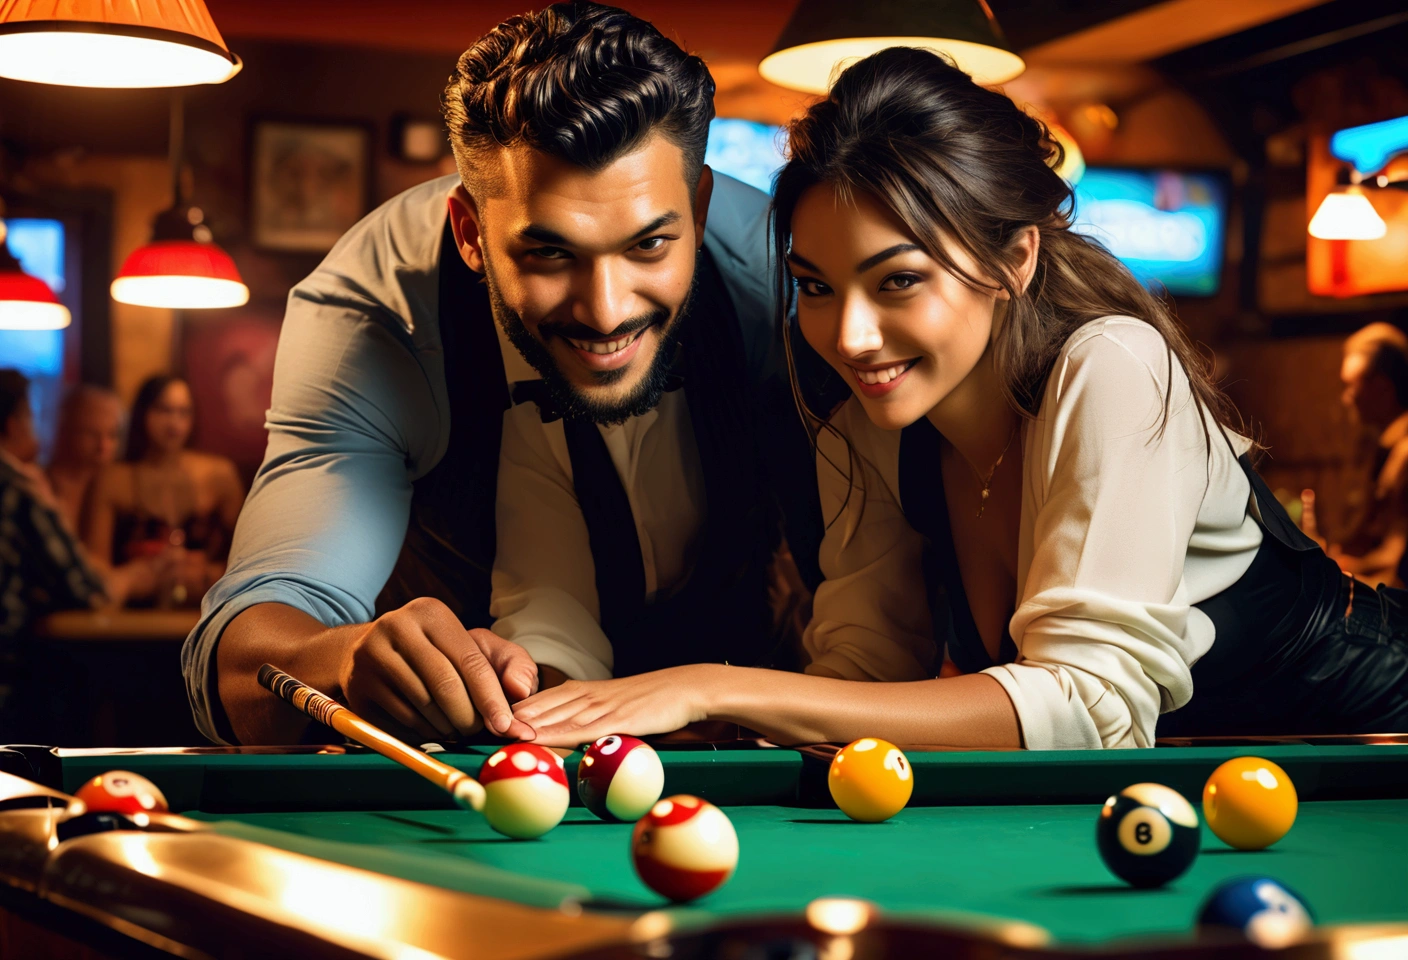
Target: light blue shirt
(360, 411)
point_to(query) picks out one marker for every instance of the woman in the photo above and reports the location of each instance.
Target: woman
(165, 506)
(1035, 447)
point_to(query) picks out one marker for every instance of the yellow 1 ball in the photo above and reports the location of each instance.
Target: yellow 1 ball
(1249, 803)
(870, 780)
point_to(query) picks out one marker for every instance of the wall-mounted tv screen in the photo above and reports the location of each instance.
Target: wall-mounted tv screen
(1167, 226)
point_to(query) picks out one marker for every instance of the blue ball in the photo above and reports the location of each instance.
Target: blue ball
(1259, 910)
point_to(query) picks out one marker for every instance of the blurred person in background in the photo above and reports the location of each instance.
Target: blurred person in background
(1375, 377)
(87, 441)
(164, 503)
(42, 567)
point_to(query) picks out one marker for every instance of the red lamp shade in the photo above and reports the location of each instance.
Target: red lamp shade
(27, 303)
(180, 274)
(112, 43)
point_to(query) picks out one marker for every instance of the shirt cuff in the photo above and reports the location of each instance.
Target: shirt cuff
(576, 664)
(1051, 713)
(198, 660)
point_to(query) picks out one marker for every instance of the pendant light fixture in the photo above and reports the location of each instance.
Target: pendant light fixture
(26, 302)
(825, 36)
(181, 268)
(113, 43)
(1347, 214)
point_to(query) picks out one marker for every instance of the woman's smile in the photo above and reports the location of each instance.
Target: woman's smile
(878, 379)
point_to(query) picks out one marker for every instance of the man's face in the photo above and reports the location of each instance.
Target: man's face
(589, 272)
(97, 426)
(1367, 394)
(19, 439)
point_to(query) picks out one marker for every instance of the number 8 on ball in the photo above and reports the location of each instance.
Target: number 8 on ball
(1147, 834)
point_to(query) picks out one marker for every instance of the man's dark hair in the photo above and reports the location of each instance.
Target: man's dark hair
(14, 391)
(580, 81)
(1391, 361)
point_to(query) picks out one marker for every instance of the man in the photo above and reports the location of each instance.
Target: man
(90, 428)
(487, 368)
(1374, 373)
(41, 565)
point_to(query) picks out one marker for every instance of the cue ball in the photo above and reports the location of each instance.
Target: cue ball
(525, 790)
(870, 780)
(1147, 834)
(1249, 803)
(684, 848)
(121, 791)
(1257, 909)
(619, 778)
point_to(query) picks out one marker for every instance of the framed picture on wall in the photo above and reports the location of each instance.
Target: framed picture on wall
(309, 182)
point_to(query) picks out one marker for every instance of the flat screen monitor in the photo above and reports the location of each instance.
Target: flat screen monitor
(1167, 226)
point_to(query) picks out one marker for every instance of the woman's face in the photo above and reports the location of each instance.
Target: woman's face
(169, 419)
(899, 327)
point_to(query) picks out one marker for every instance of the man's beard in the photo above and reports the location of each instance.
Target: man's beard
(571, 403)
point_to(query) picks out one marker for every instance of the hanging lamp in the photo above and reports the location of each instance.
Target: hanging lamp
(181, 268)
(1347, 214)
(825, 36)
(113, 43)
(26, 302)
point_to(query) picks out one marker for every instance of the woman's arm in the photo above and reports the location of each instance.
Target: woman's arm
(788, 708)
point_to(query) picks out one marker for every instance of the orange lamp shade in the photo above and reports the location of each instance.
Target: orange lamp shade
(112, 43)
(27, 303)
(180, 274)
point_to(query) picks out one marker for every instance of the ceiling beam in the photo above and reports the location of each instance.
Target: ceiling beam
(1162, 29)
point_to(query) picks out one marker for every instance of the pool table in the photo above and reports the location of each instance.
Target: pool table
(333, 851)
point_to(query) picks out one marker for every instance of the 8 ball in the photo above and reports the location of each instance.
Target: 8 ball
(1147, 834)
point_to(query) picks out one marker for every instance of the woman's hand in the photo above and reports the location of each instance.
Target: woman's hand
(580, 711)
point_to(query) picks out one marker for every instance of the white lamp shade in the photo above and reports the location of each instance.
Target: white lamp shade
(103, 43)
(1347, 215)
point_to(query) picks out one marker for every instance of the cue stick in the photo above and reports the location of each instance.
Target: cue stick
(466, 790)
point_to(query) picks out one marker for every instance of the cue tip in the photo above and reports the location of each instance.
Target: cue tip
(469, 794)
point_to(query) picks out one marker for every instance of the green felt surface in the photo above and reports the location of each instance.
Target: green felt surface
(1349, 859)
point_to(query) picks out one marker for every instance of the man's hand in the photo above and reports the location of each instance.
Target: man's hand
(422, 669)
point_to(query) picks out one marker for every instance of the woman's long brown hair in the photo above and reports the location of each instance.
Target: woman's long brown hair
(962, 164)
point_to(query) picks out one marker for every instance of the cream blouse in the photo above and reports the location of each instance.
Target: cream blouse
(1123, 529)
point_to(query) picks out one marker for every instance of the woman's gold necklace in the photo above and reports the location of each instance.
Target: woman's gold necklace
(992, 471)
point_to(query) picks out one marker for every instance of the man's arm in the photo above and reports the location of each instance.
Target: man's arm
(353, 416)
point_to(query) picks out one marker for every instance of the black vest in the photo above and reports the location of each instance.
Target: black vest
(721, 612)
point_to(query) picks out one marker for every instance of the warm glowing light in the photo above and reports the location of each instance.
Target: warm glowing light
(180, 275)
(180, 293)
(27, 303)
(28, 315)
(840, 916)
(812, 66)
(1380, 948)
(1347, 215)
(81, 59)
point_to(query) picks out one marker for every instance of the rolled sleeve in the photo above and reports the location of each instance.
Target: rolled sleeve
(352, 422)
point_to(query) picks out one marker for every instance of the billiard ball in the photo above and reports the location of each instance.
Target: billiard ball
(684, 848)
(525, 790)
(870, 780)
(120, 791)
(1249, 803)
(619, 778)
(1147, 834)
(1257, 909)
